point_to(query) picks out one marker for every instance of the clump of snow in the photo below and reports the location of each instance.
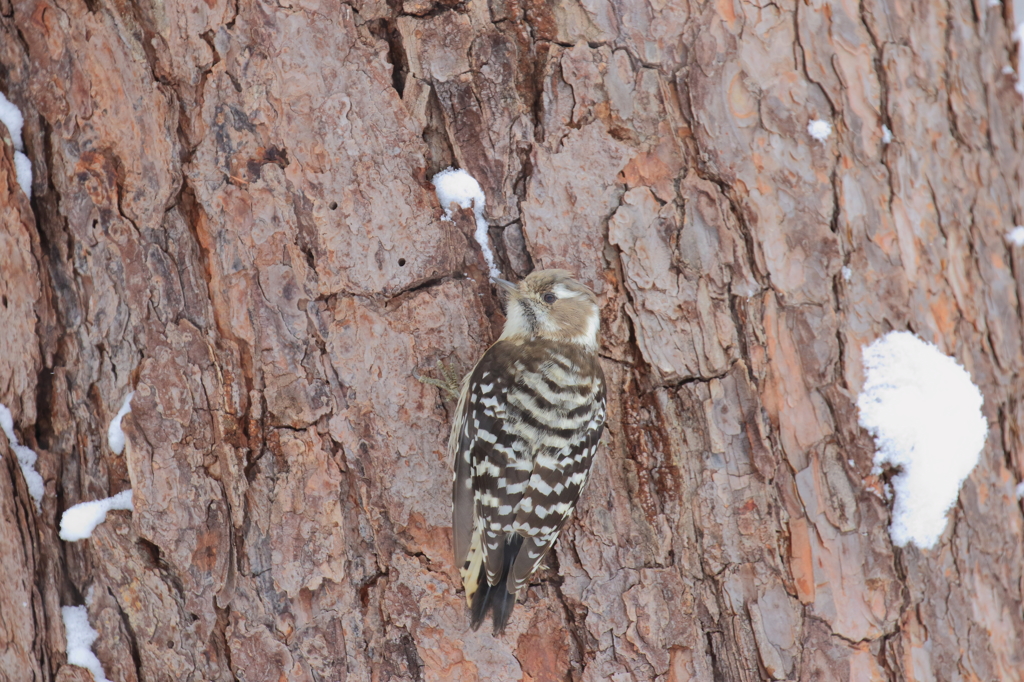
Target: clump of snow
(80, 637)
(115, 436)
(80, 521)
(23, 173)
(456, 186)
(847, 273)
(1008, 70)
(7, 423)
(26, 459)
(925, 414)
(11, 117)
(819, 129)
(995, 3)
(886, 135)
(1016, 236)
(1020, 490)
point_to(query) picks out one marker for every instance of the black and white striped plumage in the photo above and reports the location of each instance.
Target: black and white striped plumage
(529, 420)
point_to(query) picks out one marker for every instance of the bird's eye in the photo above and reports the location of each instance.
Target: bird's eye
(550, 298)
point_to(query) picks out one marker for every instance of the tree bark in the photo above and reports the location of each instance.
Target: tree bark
(232, 216)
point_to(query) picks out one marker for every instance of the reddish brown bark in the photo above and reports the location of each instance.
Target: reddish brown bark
(232, 216)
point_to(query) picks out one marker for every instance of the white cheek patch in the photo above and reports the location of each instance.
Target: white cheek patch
(516, 323)
(548, 325)
(589, 336)
(562, 291)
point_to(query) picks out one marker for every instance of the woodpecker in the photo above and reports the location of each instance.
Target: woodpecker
(528, 422)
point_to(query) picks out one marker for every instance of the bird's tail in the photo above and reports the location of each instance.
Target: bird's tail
(496, 598)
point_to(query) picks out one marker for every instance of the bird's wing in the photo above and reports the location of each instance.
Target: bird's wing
(491, 466)
(460, 445)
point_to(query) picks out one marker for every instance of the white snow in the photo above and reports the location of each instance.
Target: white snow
(456, 186)
(847, 273)
(115, 436)
(26, 459)
(81, 520)
(7, 423)
(23, 172)
(925, 414)
(1020, 490)
(1008, 70)
(1016, 236)
(994, 3)
(11, 117)
(886, 135)
(819, 129)
(80, 637)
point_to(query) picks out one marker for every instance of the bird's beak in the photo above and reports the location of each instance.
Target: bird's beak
(506, 286)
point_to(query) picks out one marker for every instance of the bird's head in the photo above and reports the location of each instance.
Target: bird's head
(550, 304)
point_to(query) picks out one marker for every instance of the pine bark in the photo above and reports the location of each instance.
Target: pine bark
(232, 216)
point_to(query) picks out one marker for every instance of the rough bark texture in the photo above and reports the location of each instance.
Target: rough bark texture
(232, 216)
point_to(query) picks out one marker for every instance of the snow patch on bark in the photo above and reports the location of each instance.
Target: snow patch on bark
(80, 637)
(925, 414)
(1016, 236)
(78, 522)
(456, 186)
(115, 436)
(819, 129)
(26, 459)
(10, 116)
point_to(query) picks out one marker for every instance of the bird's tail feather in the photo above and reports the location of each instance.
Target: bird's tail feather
(496, 598)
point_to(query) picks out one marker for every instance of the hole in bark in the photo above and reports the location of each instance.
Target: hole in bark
(5, 301)
(150, 552)
(208, 37)
(387, 30)
(364, 589)
(276, 156)
(333, 205)
(401, 264)
(713, 655)
(44, 402)
(412, 658)
(440, 153)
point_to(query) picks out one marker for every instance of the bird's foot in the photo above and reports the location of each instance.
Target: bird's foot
(449, 383)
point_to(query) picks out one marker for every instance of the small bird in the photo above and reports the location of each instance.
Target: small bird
(528, 421)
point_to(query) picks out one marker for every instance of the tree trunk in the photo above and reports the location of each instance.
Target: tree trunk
(232, 216)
